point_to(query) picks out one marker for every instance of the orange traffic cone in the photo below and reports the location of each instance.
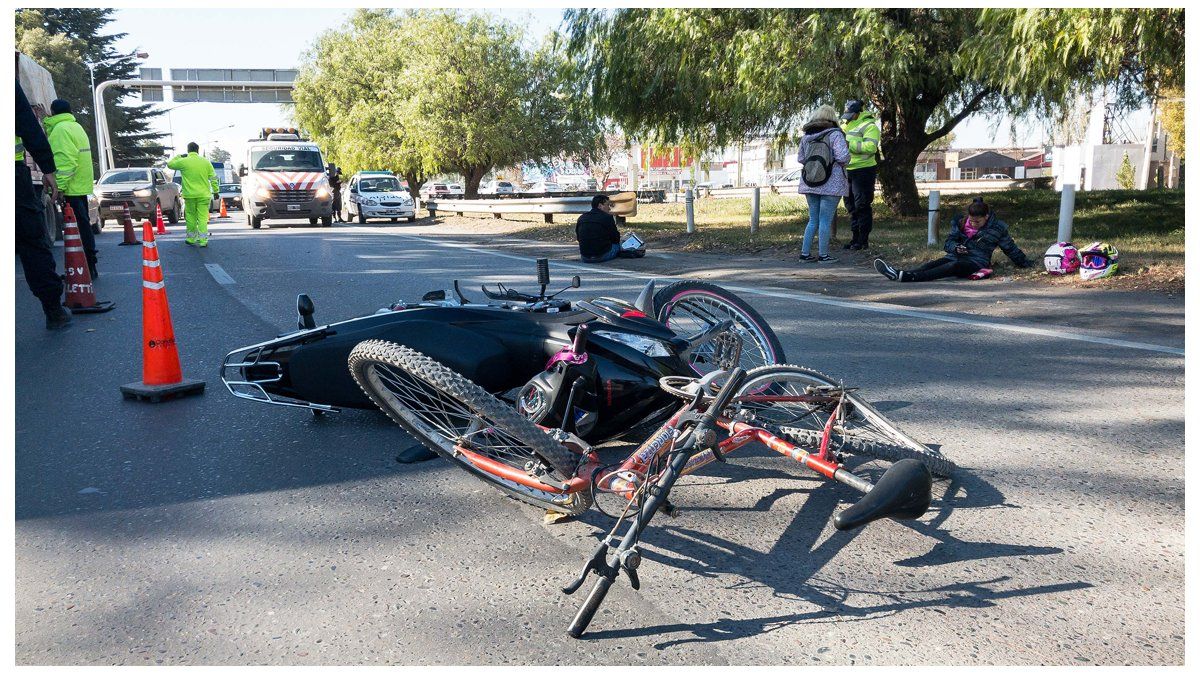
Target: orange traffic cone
(161, 376)
(130, 237)
(158, 217)
(224, 212)
(81, 295)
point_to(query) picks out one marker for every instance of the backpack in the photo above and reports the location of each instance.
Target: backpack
(818, 162)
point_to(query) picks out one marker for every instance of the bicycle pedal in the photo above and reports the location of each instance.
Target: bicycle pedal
(669, 509)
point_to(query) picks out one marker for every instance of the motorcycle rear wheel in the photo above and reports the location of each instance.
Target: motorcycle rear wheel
(689, 307)
(443, 409)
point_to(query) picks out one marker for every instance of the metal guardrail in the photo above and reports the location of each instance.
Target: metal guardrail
(624, 205)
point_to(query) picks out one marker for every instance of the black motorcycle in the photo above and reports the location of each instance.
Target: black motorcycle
(588, 367)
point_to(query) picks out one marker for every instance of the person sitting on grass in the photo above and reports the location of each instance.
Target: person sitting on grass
(597, 234)
(969, 249)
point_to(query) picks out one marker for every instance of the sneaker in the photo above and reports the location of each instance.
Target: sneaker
(189, 242)
(849, 245)
(57, 318)
(807, 258)
(886, 270)
(203, 243)
(827, 259)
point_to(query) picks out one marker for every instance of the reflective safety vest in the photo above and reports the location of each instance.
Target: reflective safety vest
(20, 149)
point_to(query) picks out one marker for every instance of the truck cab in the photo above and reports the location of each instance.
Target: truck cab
(284, 177)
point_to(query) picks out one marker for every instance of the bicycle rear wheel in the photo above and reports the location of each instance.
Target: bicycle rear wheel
(445, 410)
(691, 307)
(860, 429)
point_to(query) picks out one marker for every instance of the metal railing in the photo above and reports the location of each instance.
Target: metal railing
(624, 205)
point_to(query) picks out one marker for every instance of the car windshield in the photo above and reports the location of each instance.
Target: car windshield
(286, 160)
(231, 187)
(126, 176)
(383, 184)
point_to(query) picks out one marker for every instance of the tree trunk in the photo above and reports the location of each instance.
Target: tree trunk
(899, 185)
(414, 185)
(473, 176)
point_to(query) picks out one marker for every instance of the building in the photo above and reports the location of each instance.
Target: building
(1093, 164)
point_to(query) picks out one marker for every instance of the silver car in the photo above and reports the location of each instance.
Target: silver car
(142, 190)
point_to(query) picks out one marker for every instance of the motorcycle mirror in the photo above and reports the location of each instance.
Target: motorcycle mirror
(575, 282)
(305, 309)
(434, 296)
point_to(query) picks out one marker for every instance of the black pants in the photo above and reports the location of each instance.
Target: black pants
(858, 203)
(79, 205)
(33, 246)
(942, 268)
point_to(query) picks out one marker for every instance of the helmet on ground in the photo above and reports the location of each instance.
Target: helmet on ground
(1061, 258)
(1097, 260)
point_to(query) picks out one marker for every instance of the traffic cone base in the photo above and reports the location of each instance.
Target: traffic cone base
(81, 294)
(156, 393)
(161, 376)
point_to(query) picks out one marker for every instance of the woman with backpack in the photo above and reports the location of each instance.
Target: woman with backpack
(824, 154)
(969, 248)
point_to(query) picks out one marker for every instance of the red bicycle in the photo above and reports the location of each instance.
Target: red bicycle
(723, 411)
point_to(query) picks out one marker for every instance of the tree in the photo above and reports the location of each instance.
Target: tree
(1171, 112)
(63, 41)
(429, 92)
(707, 78)
(1125, 177)
(942, 143)
(218, 154)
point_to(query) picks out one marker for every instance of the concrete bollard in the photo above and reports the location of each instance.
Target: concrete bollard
(1066, 212)
(754, 212)
(935, 198)
(688, 204)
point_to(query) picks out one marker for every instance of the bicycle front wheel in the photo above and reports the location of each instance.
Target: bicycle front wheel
(789, 399)
(691, 307)
(445, 411)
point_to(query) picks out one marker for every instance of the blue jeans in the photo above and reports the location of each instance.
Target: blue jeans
(615, 252)
(820, 214)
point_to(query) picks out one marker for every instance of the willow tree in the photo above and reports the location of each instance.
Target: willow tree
(428, 92)
(710, 77)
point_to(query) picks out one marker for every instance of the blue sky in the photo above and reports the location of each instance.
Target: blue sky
(276, 38)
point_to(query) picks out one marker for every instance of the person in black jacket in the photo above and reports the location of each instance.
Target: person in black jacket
(597, 234)
(33, 246)
(969, 248)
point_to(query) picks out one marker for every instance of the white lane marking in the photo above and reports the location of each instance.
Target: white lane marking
(801, 296)
(219, 274)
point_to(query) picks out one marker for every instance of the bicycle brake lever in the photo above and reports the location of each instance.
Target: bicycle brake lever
(599, 563)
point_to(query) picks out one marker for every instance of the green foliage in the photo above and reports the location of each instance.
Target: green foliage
(1125, 176)
(63, 41)
(429, 92)
(218, 154)
(1171, 111)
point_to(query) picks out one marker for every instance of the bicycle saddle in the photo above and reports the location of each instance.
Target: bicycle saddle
(904, 491)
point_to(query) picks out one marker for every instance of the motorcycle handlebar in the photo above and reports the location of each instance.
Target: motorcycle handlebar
(581, 337)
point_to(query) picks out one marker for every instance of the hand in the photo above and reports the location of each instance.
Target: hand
(960, 249)
(50, 184)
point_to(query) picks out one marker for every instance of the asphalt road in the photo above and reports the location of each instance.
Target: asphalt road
(213, 530)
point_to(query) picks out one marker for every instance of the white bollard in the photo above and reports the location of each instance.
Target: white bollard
(1066, 212)
(688, 199)
(754, 212)
(935, 198)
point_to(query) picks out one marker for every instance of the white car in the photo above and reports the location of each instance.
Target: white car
(545, 188)
(376, 194)
(995, 176)
(500, 187)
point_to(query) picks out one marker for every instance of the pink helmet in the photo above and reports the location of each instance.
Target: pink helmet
(1061, 258)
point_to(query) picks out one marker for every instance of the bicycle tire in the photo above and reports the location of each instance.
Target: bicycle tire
(894, 445)
(680, 295)
(436, 379)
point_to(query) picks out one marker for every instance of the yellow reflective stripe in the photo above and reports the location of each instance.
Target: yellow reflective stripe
(20, 149)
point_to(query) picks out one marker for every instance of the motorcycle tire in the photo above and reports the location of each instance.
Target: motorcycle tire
(694, 305)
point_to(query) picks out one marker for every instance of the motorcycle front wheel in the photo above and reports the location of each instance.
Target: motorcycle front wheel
(690, 307)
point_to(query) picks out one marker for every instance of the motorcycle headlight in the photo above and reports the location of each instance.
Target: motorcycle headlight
(323, 192)
(646, 345)
(144, 192)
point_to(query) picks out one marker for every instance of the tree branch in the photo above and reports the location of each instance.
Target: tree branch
(968, 109)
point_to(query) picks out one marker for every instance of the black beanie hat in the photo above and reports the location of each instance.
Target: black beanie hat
(58, 106)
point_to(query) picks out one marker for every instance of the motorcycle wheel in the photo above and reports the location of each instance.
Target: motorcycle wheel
(689, 307)
(862, 431)
(442, 409)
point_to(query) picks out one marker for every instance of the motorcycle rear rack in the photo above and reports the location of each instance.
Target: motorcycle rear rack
(252, 389)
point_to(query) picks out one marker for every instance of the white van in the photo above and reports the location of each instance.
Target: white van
(284, 177)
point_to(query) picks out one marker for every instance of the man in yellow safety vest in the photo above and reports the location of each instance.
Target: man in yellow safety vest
(199, 187)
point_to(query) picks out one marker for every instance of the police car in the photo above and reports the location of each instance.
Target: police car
(376, 194)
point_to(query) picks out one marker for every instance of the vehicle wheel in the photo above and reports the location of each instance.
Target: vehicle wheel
(327, 221)
(395, 220)
(412, 219)
(174, 214)
(441, 408)
(255, 221)
(312, 221)
(862, 429)
(689, 307)
(362, 220)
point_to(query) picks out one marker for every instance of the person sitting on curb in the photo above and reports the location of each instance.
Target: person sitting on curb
(597, 234)
(968, 248)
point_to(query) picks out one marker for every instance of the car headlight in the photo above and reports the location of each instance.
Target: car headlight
(144, 192)
(323, 192)
(263, 192)
(646, 345)
(369, 201)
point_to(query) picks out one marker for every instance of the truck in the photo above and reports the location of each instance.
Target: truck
(284, 177)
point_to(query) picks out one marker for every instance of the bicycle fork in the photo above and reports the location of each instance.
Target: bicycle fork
(626, 555)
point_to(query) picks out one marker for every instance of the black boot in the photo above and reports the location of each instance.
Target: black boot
(57, 316)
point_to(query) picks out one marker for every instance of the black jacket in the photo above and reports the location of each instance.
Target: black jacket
(596, 232)
(32, 135)
(980, 247)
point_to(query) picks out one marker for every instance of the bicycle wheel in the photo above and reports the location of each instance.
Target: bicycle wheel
(443, 409)
(689, 307)
(860, 429)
